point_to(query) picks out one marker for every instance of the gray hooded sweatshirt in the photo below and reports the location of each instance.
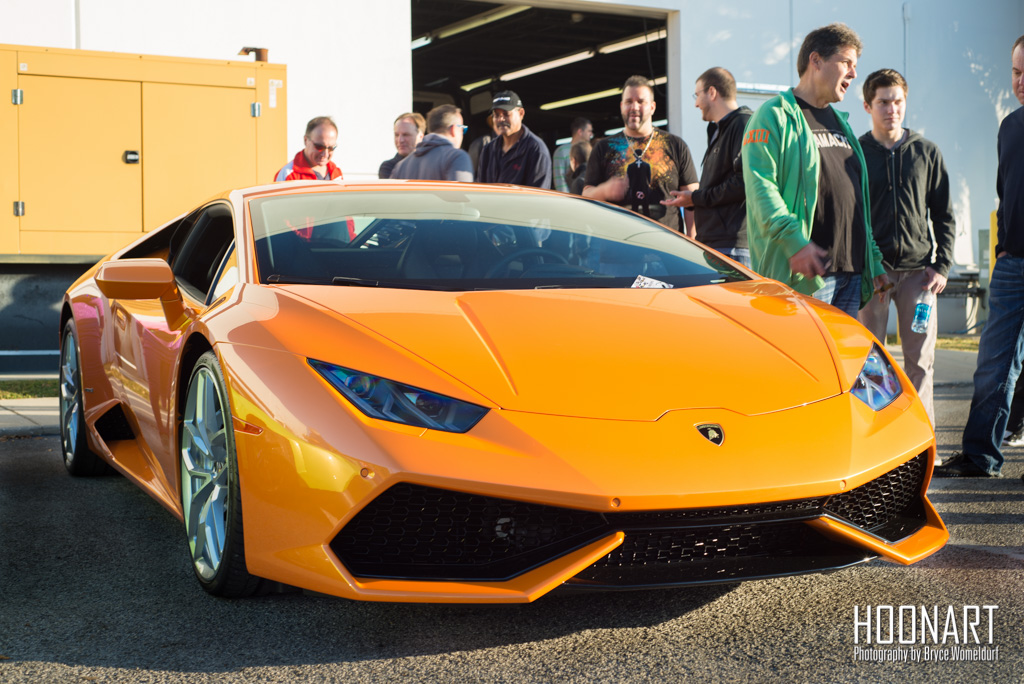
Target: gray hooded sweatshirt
(435, 158)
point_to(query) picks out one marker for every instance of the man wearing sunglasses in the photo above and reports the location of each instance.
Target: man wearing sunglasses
(313, 162)
(438, 156)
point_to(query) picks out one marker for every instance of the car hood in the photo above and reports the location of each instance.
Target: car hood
(627, 354)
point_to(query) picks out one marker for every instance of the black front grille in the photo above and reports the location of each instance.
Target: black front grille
(696, 544)
(889, 506)
(416, 532)
(716, 554)
(804, 509)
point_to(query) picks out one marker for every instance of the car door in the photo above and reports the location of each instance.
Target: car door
(149, 344)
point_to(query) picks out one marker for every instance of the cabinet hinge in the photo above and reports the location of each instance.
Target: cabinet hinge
(17, 96)
(254, 109)
(19, 208)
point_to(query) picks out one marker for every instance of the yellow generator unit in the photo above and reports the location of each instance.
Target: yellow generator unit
(102, 146)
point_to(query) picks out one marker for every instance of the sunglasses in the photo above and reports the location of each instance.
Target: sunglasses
(321, 147)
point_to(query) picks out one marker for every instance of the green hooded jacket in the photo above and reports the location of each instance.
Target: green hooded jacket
(780, 170)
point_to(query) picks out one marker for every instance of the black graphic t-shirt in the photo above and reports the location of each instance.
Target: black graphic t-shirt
(665, 165)
(839, 212)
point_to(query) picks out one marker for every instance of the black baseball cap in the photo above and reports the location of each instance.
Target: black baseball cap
(506, 100)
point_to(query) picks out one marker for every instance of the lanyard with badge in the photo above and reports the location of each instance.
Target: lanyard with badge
(638, 173)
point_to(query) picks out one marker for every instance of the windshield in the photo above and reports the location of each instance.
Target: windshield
(470, 240)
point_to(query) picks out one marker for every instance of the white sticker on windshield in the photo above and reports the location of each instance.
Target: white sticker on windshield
(645, 282)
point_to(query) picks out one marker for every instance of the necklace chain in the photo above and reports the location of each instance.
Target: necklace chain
(649, 139)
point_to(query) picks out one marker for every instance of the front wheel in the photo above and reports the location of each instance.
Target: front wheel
(79, 459)
(211, 496)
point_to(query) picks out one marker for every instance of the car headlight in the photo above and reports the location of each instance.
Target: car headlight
(877, 385)
(386, 399)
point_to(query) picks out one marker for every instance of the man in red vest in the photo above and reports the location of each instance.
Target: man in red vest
(313, 162)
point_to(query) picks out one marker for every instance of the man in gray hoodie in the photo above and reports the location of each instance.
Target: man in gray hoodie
(909, 184)
(437, 156)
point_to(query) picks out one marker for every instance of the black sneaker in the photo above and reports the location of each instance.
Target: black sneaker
(961, 466)
(1013, 438)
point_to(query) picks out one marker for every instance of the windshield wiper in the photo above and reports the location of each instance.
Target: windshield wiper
(355, 282)
(368, 282)
(277, 278)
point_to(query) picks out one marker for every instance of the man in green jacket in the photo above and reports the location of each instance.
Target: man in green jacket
(808, 205)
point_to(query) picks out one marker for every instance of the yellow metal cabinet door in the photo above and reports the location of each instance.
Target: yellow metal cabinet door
(198, 141)
(9, 191)
(74, 133)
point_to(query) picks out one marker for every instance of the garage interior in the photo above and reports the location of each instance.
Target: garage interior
(563, 63)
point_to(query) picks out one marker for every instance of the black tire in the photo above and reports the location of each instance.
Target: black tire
(79, 459)
(211, 496)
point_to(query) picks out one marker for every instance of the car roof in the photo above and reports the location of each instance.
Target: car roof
(298, 186)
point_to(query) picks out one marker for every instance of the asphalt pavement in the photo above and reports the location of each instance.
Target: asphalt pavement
(96, 585)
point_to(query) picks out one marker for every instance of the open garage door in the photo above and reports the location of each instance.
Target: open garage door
(564, 63)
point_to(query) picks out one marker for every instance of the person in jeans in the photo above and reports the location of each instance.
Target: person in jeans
(1001, 347)
(908, 183)
(720, 204)
(806, 186)
(1013, 435)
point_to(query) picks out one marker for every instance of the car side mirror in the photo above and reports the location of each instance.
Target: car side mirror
(142, 279)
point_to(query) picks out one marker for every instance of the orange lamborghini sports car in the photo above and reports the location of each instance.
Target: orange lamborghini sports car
(405, 391)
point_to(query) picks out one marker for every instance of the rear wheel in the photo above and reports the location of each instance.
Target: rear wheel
(211, 496)
(78, 458)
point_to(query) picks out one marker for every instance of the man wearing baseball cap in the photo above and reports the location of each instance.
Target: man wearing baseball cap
(516, 155)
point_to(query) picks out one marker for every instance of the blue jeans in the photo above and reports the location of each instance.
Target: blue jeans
(999, 362)
(842, 290)
(740, 254)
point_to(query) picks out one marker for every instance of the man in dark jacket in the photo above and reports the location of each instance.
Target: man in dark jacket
(1001, 348)
(720, 204)
(438, 156)
(517, 155)
(409, 130)
(909, 184)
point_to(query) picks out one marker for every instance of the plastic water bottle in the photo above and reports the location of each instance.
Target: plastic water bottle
(923, 311)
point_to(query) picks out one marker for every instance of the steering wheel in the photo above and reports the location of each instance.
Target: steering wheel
(516, 255)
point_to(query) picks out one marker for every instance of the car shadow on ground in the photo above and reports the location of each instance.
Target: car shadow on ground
(95, 573)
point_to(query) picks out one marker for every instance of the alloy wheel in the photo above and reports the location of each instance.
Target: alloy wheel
(204, 472)
(70, 397)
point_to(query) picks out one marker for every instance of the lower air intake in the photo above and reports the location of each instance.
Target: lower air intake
(423, 533)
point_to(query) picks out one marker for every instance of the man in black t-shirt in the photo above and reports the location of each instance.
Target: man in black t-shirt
(806, 186)
(839, 213)
(639, 167)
